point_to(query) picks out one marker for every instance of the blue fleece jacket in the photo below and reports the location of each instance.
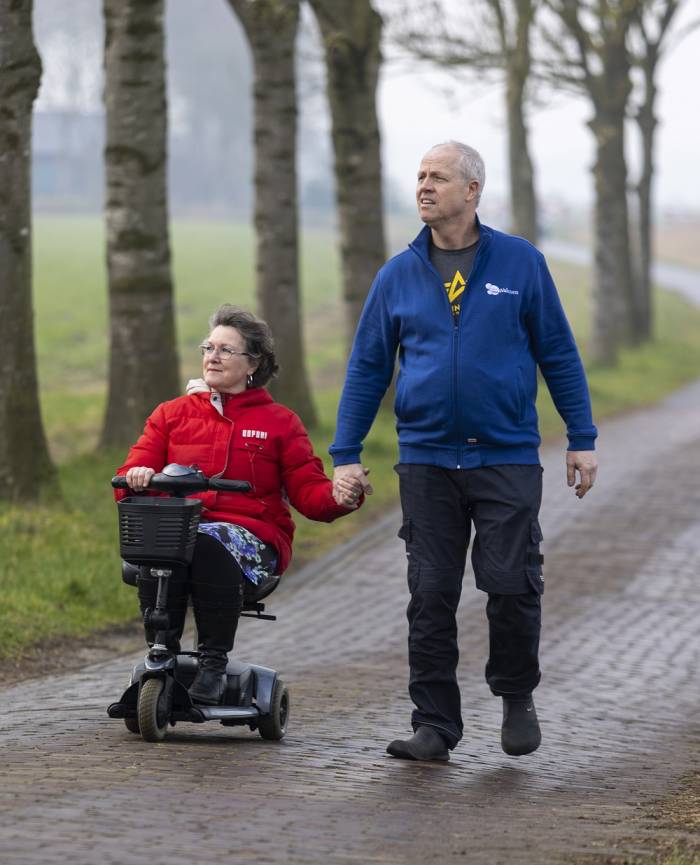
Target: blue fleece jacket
(465, 394)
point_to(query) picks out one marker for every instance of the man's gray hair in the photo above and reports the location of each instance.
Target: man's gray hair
(471, 165)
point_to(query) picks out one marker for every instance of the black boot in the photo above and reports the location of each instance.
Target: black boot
(209, 685)
(520, 733)
(425, 744)
(217, 597)
(216, 629)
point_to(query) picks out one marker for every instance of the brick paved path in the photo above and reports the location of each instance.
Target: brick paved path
(619, 705)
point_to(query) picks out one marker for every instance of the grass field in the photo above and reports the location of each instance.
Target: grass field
(677, 241)
(59, 566)
(675, 236)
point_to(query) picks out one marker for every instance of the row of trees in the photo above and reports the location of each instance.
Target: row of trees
(591, 45)
(596, 48)
(138, 255)
(142, 323)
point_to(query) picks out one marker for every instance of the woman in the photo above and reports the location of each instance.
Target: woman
(233, 430)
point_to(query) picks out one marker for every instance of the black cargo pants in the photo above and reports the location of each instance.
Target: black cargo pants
(439, 505)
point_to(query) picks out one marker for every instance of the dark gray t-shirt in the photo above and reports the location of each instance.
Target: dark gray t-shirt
(454, 267)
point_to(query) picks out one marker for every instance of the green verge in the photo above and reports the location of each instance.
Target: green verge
(59, 564)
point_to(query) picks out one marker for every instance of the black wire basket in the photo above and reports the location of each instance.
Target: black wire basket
(158, 529)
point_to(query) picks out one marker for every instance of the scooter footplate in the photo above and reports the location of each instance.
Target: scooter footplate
(229, 713)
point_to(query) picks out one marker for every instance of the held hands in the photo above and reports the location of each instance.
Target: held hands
(139, 477)
(349, 483)
(586, 464)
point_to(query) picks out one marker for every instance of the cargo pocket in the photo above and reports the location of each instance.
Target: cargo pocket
(535, 559)
(406, 531)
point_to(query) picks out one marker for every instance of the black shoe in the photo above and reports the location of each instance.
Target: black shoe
(520, 733)
(425, 744)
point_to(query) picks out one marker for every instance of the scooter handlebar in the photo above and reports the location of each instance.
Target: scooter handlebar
(187, 483)
(229, 486)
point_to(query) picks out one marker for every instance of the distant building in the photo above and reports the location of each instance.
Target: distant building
(210, 167)
(67, 149)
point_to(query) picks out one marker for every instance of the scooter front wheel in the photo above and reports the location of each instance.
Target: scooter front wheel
(152, 718)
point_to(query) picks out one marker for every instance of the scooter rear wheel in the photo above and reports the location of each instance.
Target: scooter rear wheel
(274, 725)
(152, 720)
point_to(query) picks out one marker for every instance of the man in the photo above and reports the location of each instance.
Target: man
(472, 312)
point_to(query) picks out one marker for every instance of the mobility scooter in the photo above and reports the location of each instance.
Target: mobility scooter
(156, 534)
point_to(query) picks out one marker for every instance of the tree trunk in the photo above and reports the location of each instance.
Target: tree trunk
(647, 125)
(644, 303)
(351, 31)
(271, 28)
(25, 465)
(143, 365)
(614, 313)
(600, 35)
(522, 175)
(655, 19)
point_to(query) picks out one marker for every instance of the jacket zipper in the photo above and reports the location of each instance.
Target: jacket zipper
(455, 338)
(483, 239)
(228, 446)
(455, 378)
(467, 285)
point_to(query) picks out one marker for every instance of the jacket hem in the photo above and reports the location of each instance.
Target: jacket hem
(473, 456)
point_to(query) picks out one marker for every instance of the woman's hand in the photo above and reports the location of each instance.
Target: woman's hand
(139, 477)
(347, 491)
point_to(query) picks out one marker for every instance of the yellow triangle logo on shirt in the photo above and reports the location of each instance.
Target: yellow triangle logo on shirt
(456, 287)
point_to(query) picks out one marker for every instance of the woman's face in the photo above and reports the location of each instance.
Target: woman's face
(221, 370)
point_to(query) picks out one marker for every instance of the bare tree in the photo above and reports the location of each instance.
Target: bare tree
(351, 32)
(271, 28)
(651, 44)
(498, 40)
(591, 52)
(25, 465)
(143, 365)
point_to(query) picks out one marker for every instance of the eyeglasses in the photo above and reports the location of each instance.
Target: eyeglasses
(226, 353)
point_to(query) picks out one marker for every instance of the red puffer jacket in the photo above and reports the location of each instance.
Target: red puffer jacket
(253, 439)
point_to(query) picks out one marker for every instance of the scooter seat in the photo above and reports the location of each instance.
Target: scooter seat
(253, 593)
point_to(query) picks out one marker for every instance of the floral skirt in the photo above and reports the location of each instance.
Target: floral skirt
(255, 558)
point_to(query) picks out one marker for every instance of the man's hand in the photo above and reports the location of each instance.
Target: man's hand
(349, 483)
(586, 464)
(139, 477)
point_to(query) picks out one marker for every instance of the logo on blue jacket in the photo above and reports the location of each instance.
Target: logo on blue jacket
(494, 289)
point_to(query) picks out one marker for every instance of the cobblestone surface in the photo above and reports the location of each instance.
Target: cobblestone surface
(618, 704)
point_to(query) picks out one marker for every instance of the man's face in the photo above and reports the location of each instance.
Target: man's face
(442, 193)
